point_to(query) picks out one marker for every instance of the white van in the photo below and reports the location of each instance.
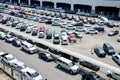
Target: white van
(68, 65)
(28, 47)
(113, 75)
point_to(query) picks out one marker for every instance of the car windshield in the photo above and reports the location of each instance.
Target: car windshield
(22, 67)
(48, 55)
(35, 74)
(111, 48)
(31, 46)
(102, 51)
(71, 64)
(10, 58)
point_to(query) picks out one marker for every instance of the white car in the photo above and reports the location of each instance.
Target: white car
(116, 58)
(18, 26)
(63, 25)
(8, 58)
(20, 66)
(29, 29)
(118, 39)
(2, 35)
(91, 31)
(9, 23)
(31, 74)
(113, 75)
(70, 27)
(64, 35)
(9, 38)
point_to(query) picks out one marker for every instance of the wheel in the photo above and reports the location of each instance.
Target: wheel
(59, 66)
(71, 72)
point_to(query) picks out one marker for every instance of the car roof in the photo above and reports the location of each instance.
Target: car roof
(65, 60)
(19, 63)
(30, 70)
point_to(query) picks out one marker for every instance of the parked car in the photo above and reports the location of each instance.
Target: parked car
(118, 39)
(46, 56)
(116, 58)
(31, 74)
(2, 35)
(64, 41)
(16, 42)
(113, 32)
(34, 32)
(70, 27)
(49, 21)
(48, 34)
(90, 65)
(80, 29)
(99, 29)
(91, 76)
(56, 39)
(99, 52)
(9, 38)
(113, 75)
(91, 31)
(9, 23)
(72, 38)
(8, 58)
(31, 41)
(42, 29)
(41, 35)
(68, 65)
(108, 48)
(23, 28)
(20, 66)
(31, 49)
(78, 35)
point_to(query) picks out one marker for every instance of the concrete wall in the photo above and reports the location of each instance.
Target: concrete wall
(109, 3)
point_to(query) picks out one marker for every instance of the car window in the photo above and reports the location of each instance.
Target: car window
(71, 64)
(35, 74)
(28, 74)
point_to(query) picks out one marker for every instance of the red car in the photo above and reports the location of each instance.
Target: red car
(72, 38)
(80, 17)
(42, 29)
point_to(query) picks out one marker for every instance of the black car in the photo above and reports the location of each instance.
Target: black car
(91, 76)
(49, 21)
(16, 42)
(108, 48)
(23, 28)
(46, 56)
(90, 65)
(113, 32)
(100, 52)
(31, 41)
(99, 29)
(34, 33)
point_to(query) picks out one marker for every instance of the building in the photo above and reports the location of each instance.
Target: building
(103, 7)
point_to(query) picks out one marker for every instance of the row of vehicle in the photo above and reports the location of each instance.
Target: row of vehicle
(24, 26)
(10, 60)
(107, 49)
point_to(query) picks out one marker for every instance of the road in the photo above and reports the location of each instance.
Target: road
(46, 69)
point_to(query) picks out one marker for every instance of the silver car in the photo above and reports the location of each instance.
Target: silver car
(116, 58)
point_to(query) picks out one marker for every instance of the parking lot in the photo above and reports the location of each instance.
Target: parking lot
(86, 45)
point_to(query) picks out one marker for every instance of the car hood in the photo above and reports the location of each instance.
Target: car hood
(13, 61)
(38, 78)
(75, 67)
(33, 48)
(25, 69)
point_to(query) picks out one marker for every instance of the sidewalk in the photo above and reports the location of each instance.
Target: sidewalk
(3, 76)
